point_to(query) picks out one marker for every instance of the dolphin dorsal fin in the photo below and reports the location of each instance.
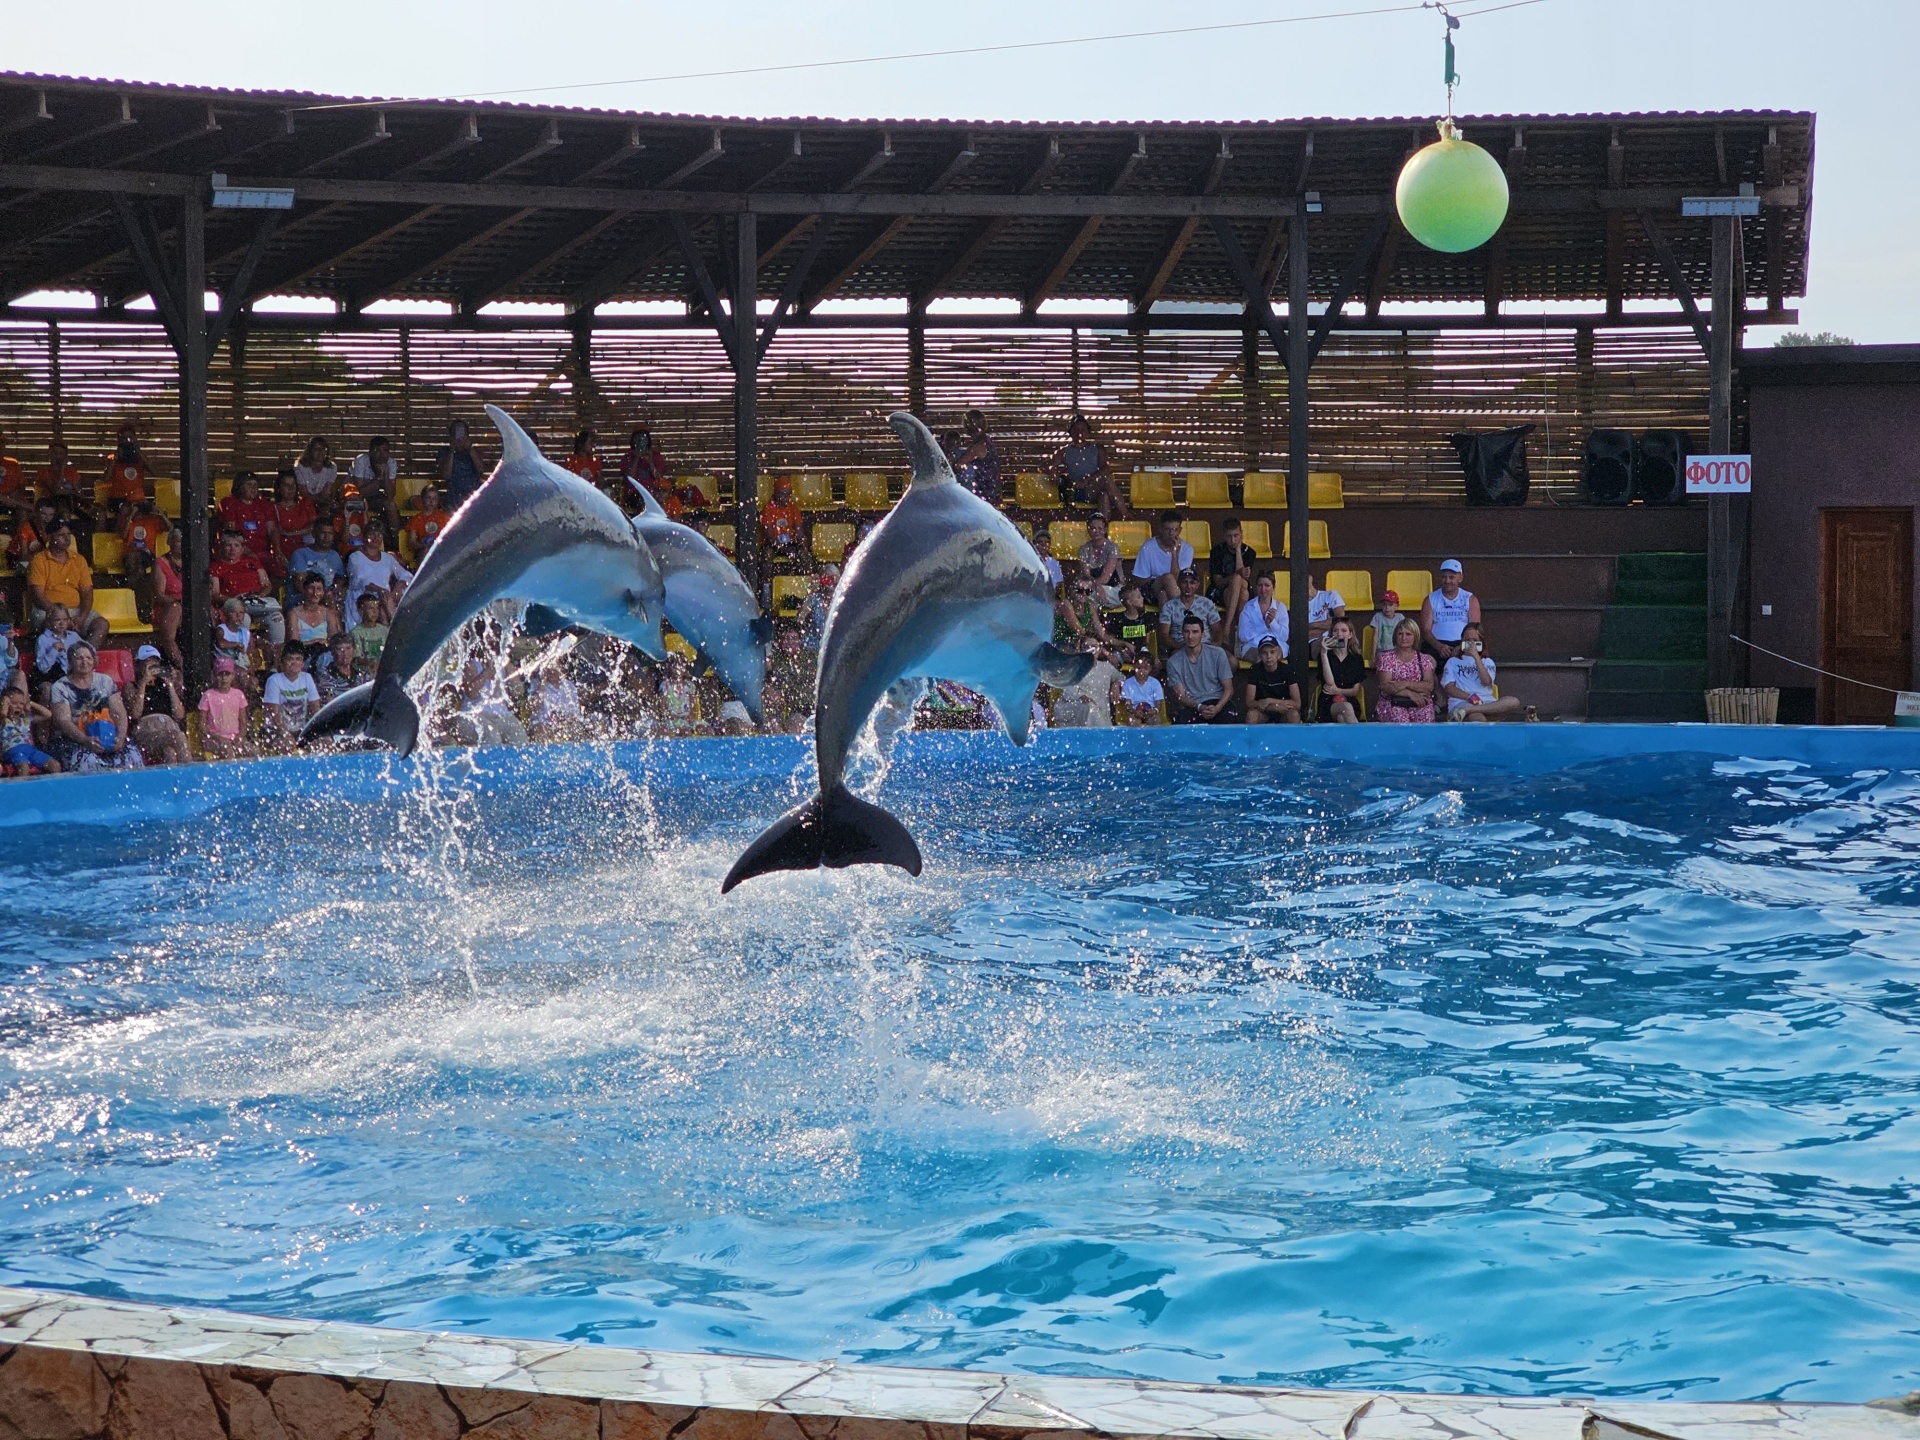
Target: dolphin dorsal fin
(649, 507)
(516, 446)
(930, 465)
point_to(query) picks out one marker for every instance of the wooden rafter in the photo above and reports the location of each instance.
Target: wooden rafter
(1183, 236)
(1064, 261)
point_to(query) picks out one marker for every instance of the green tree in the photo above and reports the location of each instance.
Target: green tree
(1793, 339)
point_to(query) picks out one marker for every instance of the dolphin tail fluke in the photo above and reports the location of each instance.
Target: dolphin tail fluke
(837, 829)
(379, 710)
(1060, 668)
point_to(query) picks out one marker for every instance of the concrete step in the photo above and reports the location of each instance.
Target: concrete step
(1649, 675)
(1570, 579)
(1542, 632)
(1651, 705)
(1661, 578)
(1556, 689)
(1654, 632)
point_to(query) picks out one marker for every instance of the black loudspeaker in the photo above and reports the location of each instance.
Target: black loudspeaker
(1495, 465)
(1660, 468)
(1609, 469)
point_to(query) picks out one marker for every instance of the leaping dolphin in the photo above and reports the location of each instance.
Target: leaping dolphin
(944, 588)
(532, 532)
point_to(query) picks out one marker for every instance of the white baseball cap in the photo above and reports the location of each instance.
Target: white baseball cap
(1453, 565)
(147, 652)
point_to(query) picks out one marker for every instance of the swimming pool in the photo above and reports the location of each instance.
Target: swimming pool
(1507, 1060)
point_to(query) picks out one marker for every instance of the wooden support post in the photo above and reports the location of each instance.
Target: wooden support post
(1726, 538)
(582, 371)
(406, 400)
(1299, 362)
(746, 400)
(917, 363)
(237, 383)
(1074, 341)
(196, 481)
(1250, 384)
(53, 380)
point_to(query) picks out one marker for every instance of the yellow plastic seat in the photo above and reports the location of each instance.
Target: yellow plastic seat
(1151, 490)
(1325, 491)
(121, 614)
(1130, 535)
(1367, 644)
(222, 488)
(406, 492)
(814, 491)
(1025, 527)
(1068, 537)
(707, 485)
(1318, 547)
(766, 484)
(109, 553)
(1355, 587)
(167, 495)
(1265, 490)
(1034, 491)
(1413, 587)
(867, 491)
(789, 591)
(1207, 490)
(831, 543)
(723, 538)
(677, 645)
(1257, 536)
(1198, 534)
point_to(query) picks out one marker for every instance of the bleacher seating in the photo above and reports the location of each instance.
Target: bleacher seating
(813, 490)
(831, 542)
(1034, 491)
(1258, 537)
(1326, 491)
(867, 491)
(1198, 534)
(789, 591)
(1207, 490)
(109, 553)
(1265, 490)
(1413, 587)
(1356, 588)
(723, 538)
(117, 608)
(707, 485)
(222, 488)
(1130, 535)
(678, 644)
(407, 490)
(1068, 537)
(116, 665)
(167, 494)
(1318, 547)
(1151, 490)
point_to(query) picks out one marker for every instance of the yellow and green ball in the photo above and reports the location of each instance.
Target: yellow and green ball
(1452, 195)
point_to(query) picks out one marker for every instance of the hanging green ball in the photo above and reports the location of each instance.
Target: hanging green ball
(1452, 195)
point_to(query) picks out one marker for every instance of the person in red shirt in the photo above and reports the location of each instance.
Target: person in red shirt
(59, 478)
(643, 464)
(425, 527)
(156, 581)
(13, 482)
(583, 462)
(246, 511)
(780, 520)
(126, 475)
(293, 517)
(239, 575)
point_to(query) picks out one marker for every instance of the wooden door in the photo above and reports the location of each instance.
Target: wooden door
(1866, 612)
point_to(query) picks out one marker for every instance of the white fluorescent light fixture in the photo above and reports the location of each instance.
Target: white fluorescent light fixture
(1706, 205)
(248, 197)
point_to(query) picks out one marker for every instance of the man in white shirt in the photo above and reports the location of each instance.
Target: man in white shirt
(377, 474)
(1323, 608)
(1468, 681)
(1260, 617)
(1448, 610)
(1158, 565)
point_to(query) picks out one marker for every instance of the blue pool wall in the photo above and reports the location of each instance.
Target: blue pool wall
(178, 791)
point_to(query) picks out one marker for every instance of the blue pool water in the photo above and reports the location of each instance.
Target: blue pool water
(1523, 1071)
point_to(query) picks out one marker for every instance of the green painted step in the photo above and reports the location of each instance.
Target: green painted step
(1649, 675)
(1660, 577)
(1654, 632)
(1649, 705)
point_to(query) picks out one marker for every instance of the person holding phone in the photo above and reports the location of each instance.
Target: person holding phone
(1342, 673)
(1468, 681)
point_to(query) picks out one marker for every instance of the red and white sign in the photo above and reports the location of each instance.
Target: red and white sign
(1719, 474)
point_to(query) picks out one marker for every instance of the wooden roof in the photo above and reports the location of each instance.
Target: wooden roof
(474, 203)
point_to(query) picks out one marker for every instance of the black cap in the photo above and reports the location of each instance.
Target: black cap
(1189, 574)
(1266, 640)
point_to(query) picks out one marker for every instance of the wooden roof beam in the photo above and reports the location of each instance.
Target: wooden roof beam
(716, 148)
(124, 118)
(1183, 237)
(402, 272)
(875, 163)
(548, 142)
(529, 262)
(627, 149)
(1615, 259)
(34, 113)
(377, 134)
(989, 230)
(1676, 277)
(635, 258)
(1063, 262)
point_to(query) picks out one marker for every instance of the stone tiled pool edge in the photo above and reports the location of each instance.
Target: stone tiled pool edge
(74, 1368)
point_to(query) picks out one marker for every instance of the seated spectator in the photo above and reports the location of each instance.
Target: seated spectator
(813, 609)
(156, 584)
(1343, 671)
(1199, 678)
(333, 672)
(30, 535)
(460, 470)
(89, 725)
(1272, 694)
(145, 528)
(644, 466)
(251, 516)
(1469, 683)
(1081, 468)
(782, 531)
(1406, 678)
(1133, 624)
(223, 715)
(372, 482)
(12, 673)
(313, 623)
(1088, 703)
(685, 500)
(57, 575)
(289, 697)
(427, 523)
(294, 517)
(582, 461)
(126, 474)
(54, 649)
(1447, 611)
(157, 711)
(59, 478)
(976, 461)
(369, 637)
(373, 569)
(1323, 608)
(1076, 617)
(1100, 562)
(1385, 621)
(1261, 617)
(1158, 565)
(14, 494)
(788, 695)
(319, 557)
(233, 639)
(240, 575)
(1230, 572)
(553, 708)
(677, 694)
(17, 750)
(1141, 695)
(1174, 612)
(1043, 547)
(318, 478)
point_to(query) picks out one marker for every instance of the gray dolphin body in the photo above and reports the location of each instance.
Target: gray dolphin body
(944, 588)
(532, 532)
(708, 602)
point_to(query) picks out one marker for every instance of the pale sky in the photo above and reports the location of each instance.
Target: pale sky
(1851, 61)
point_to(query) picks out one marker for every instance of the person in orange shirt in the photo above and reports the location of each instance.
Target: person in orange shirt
(583, 462)
(144, 528)
(780, 521)
(425, 527)
(126, 475)
(59, 478)
(58, 576)
(13, 482)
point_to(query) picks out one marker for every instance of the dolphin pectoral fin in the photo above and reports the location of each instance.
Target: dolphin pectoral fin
(1060, 668)
(836, 830)
(542, 621)
(647, 637)
(379, 710)
(762, 627)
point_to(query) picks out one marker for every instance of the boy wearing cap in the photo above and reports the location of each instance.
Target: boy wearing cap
(1174, 613)
(1273, 695)
(1385, 621)
(1448, 611)
(157, 712)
